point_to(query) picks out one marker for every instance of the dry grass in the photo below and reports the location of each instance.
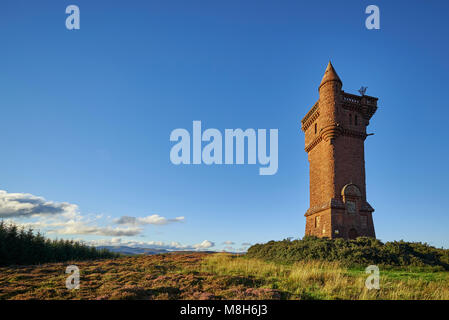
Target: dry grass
(214, 276)
(331, 280)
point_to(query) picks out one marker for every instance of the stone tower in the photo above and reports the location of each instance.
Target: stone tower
(335, 133)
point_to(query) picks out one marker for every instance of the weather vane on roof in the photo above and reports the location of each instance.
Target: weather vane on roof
(362, 90)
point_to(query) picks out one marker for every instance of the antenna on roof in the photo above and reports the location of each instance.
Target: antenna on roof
(362, 90)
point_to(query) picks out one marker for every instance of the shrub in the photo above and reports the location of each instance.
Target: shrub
(361, 251)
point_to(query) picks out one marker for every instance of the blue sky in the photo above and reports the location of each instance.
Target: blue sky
(86, 115)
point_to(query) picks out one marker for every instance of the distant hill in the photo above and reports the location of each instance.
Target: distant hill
(126, 250)
(132, 250)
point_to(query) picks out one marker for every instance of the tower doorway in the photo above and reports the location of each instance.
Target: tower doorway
(352, 234)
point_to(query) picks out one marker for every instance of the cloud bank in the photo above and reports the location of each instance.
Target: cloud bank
(27, 205)
(141, 221)
(65, 219)
(171, 246)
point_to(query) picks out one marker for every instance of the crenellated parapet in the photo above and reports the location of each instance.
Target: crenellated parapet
(365, 105)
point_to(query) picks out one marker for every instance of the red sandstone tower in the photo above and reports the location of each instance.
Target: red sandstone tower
(335, 133)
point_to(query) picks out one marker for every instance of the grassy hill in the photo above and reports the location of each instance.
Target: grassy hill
(310, 268)
(217, 276)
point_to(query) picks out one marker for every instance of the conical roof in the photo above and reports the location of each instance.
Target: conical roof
(330, 75)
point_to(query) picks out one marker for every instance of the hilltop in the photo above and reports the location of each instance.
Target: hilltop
(207, 276)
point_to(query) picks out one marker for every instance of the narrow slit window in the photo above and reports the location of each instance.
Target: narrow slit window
(350, 119)
(355, 120)
(316, 128)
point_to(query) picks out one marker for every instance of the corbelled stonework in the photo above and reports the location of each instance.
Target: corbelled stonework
(335, 132)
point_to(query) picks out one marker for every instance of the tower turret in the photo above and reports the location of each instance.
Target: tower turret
(329, 90)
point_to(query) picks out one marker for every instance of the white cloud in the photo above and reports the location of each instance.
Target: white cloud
(78, 227)
(153, 219)
(62, 218)
(28, 205)
(81, 228)
(116, 240)
(246, 244)
(65, 219)
(206, 244)
(229, 242)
